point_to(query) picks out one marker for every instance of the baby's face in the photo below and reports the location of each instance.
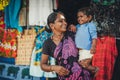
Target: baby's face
(82, 18)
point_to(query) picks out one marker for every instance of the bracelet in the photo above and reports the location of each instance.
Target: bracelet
(51, 69)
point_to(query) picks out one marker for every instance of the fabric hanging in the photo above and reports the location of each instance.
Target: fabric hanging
(105, 56)
(116, 71)
(2, 23)
(35, 69)
(8, 43)
(39, 11)
(25, 47)
(7, 60)
(23, 15)
(12, 15)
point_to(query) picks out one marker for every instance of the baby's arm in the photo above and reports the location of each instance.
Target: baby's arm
(93, 33)
(72, 28)
(93, 48)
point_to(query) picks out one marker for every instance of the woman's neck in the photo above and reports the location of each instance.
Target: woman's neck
(57, 36)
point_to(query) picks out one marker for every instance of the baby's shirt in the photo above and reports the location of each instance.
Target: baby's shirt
(84, 35)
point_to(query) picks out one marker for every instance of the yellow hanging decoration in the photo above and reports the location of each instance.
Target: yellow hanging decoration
(3, 4)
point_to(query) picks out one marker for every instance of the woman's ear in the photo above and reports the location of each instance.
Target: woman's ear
(52, 26)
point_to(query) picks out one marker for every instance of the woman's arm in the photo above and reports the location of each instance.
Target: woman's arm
(44, 63)
(49, 68)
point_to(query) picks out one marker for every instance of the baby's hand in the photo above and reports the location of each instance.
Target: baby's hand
(92, 50)
(72, 28)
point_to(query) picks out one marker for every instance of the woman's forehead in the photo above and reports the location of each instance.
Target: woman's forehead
(61, 16)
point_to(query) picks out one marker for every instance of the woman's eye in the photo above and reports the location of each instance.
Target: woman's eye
(62, 21)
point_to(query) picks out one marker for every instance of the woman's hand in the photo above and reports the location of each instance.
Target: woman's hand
(60, 70)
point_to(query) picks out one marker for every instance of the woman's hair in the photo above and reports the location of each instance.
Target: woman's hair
(51, 19)
(86, 10)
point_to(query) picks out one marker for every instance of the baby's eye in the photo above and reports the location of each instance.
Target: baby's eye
(79, 16)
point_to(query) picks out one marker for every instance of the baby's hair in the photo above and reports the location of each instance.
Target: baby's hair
(86, 10)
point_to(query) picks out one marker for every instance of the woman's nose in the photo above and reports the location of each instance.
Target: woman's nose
(65, 22)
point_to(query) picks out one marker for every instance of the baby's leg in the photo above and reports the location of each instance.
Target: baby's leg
(85, 62)
(93, 69)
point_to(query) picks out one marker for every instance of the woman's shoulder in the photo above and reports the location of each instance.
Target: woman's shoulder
(70, 34)
(48, 41)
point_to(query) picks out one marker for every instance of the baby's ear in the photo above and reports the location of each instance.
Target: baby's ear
(90, 17)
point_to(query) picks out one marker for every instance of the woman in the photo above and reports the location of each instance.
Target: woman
(61, 46)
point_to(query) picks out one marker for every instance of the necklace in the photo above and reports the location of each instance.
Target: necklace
(57, 37)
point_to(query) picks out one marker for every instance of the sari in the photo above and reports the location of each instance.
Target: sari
(66, 55)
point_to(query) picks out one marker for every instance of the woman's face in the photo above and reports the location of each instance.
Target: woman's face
(82, 18)
(60, 24)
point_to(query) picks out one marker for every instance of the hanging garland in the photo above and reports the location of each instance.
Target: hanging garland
(3, 3)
